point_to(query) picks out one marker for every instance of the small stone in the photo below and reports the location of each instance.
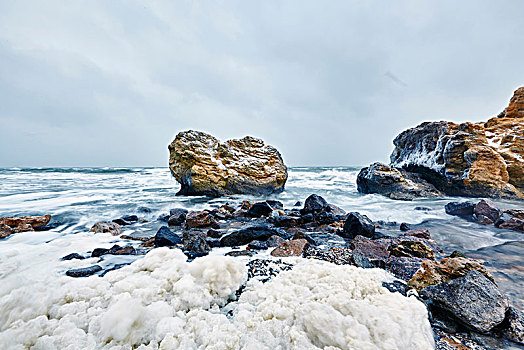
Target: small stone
(166, 238)
(72, 256)
(405, 227)
(464, 209)
(84, 271)
(177, 218)
(260, 209)
(97, 252)
(413, 249)
(117, 250)
(239, 253)
(106, 226)
(419, 232)
(358, 224)
(513, 224)
(290, 248)
(199, 219)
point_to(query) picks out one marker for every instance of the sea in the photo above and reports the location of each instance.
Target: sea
(77, 198)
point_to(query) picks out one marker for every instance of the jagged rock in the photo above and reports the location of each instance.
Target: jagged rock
(515, 108)
(177, 217)
(433, 272)
(358, 224)
(486, 212)
(205, 166)
(294, 247)
(274, 241)
(411, 249)
(195, 242)
(286, 221)
(517, 213)
(514, 326)
(259, 209)
(513, 224)
(106, 226)
(166, 238)
(337, 255)
(393, 183)
(72, 256)
(314, 203)
(473, 300)
(464, 209)
(200, 219)
(84, 271)
(257, 245)
(10, 225)
(418, 232)
(252, 232)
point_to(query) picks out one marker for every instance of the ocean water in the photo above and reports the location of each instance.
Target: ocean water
(80, 197)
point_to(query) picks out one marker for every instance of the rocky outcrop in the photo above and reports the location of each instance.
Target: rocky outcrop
(470, 159)
(10, 225)
(205, 166)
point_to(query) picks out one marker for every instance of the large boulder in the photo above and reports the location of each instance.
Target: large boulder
(358, 224)
(468, 159)
(205, 166)
(473, 300)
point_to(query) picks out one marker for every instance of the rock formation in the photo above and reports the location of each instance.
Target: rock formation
(470, 159)
(205, 166)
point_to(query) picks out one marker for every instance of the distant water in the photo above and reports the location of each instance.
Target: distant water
(79, 197)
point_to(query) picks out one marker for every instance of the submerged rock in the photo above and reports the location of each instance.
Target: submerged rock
(84, 271)
(205, 166)
(473, 300)
(106, 226)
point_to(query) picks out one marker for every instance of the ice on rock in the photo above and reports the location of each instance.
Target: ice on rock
(164, 302)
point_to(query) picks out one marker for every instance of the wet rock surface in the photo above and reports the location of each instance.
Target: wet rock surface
(84, 271)
(10, 225)
(473, 300)
(166, 238)
(107, 227)
(205, 166)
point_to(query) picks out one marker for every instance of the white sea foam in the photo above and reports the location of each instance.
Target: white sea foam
(163, 302)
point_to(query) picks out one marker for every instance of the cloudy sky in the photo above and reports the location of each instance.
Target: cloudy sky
(110, 83)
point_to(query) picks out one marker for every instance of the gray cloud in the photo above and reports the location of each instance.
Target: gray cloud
(110, 83)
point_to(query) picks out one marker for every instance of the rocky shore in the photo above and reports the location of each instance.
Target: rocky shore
(465, 305)
(483, 159)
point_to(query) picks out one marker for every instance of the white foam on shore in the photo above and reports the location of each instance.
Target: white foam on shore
(163, 302)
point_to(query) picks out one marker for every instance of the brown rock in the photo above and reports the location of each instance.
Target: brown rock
(513, 224)
(419, 232)
(411, 249)
(205, 166)
(486, 210)
(149, 243)
(517, 213)
(433, 272)
(515, 108)
(10, 225)
(290, 248)
(106, 226)
(199, 219)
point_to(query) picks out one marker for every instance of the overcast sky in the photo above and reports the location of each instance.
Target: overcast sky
(110, 83)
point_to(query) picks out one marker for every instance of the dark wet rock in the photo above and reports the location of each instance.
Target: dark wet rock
(177, 217)
(373, 249)
(214, 233)
(258, 231)
(515, 224)
(411, 249)
(433, 272)
(394, 183)
(225, 212)
(130, 218)
(314, 203)
(513, 327)
(258, 245)
(274, 241)
(403, 268)
(405, 227)
(113, 268)
(195, 241)
(84, 271)
(117, 250)
(97, 252)
(148, 243)
(298, 204)
(464, 209)
(259, 209)
(200, 219)
(275, 204)
(396, 286)
(294, 247)
(48, 227)
(286, 221)
(457, 254)
(485, 209)
(122, 222)
(178, 211)
(358, 224)
(163, 217)
(517, 213)
(305, 219)
(419, 232)
(72, 256)
(239, 253)
(473, 300)
(106, 226)
(166, 238)
(193, 255)
(213, 242)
